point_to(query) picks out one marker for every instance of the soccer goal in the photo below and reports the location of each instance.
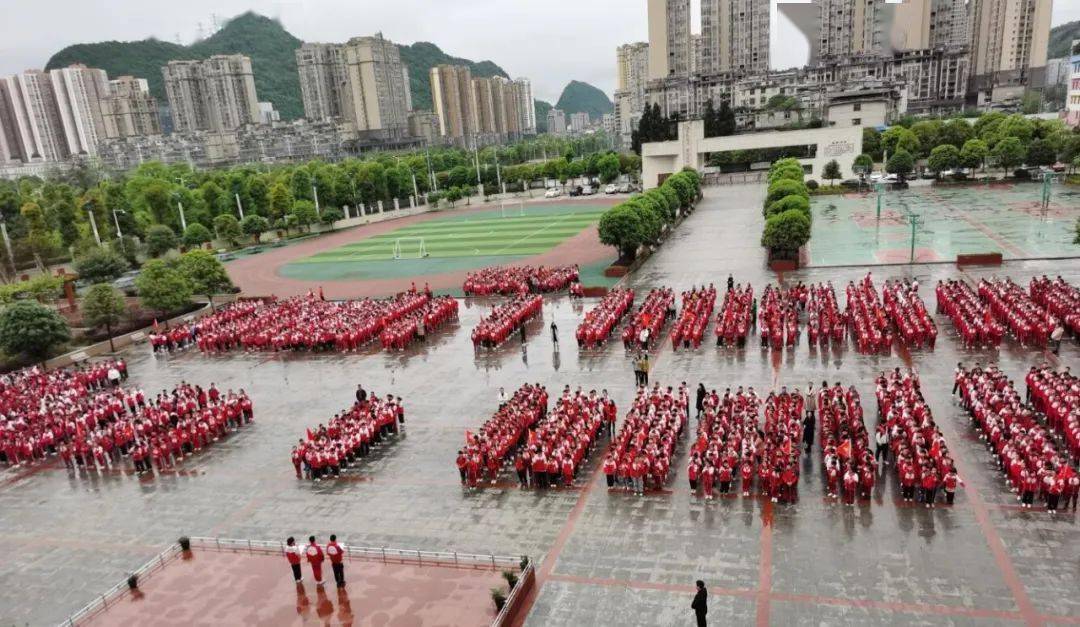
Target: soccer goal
(406, 247)
(512, 208)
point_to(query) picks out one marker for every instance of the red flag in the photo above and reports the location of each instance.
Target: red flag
(646, 319)
(310, 435)
(79, 432)
(468, 437)
(844, 450)
(787, 447)
(935, 449)
(532, 437)
(155, 325)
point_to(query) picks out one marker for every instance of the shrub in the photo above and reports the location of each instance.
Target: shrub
(196, 235)
(160, 239)
(622, 228)
(789, 203)
(100, 266)
(785, 187)
(31, 329)
(786, 232)
(811, 185)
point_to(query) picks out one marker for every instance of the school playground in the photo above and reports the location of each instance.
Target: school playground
(1001, 218)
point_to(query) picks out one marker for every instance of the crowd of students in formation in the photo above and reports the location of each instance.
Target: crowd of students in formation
(778, 315)
(737, 315)
(1059, 298)
(91, 422)
(640, 455)
(969, 314)
(415, 326)
(505, 318)
(599, 322)
(299, 323)
(825, 322)
(906, 426)
(908, 313)
(697, 309)
(1011, 305)
(349, 436)
(848, 463)
(487, 450)
(509, 281)
(649, 319)
(1057, 396)
(867, 319)
(1023, 447)
(732, 450)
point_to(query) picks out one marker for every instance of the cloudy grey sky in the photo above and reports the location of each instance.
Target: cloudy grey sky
(549, 41)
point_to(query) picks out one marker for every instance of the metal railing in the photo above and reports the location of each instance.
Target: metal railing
(525, 581)
(262, 547)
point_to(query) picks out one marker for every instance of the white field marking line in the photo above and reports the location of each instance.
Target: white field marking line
(531, 235)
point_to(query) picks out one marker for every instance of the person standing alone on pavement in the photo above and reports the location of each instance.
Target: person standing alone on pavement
(292, 553)
(701, 603)
(555, 334)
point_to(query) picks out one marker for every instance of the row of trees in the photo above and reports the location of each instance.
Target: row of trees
(642, 219)
(32, 330)
(787, 210)
(48, 218)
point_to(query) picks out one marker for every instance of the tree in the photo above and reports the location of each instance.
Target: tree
(281, 200)
(901, 163)
(100, 265)
(254, 226)
(789, 203)
(160, 239)
(1040, 152)
(304, 212)
(622, 228)
(785, 187)
(871, 142)
(196, 235)
(453, 195)
(974, 153)
(785, 233)
(899, 138)
(228, 229)
(104, 306)
(1009, 153)
(162, 288)
(205, 274)
(608, 167)
(31, 329)
(39, 237)
(863, 164)
(943, 157)
(957, 132)
(831, 171)
(725, 120)
(330, 216)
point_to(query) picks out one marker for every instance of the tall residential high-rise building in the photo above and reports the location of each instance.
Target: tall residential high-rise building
(1009, 35)
(669, 38)
(735, 36)
(485, 95)
(129, 110)
(526, 106)
(455, 101)
(79, 91)
(217, 94)
(556, 120)
(1072, 98)
(631, 76)
(32, 118)
(579, 121)
(362, 81)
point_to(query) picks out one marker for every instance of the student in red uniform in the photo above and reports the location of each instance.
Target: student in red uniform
(949, 483)
(292, 553)
(337, 555)
(315, 557)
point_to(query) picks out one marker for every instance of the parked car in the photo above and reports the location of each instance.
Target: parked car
(575, 191)
(587, 190)
(624, 188)
(554, 192)
(611, 189)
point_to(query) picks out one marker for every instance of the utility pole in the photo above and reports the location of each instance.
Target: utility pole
(914, 222)
(7, 245)
(315, 193)
(239, 206)
(119, 234)
(183, 220)
(93, 225)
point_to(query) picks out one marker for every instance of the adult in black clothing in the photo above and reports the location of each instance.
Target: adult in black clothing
(554, 333)
(809, 425)
(700, 604)
(521, 332)
(730, 282)
(361, 394)
(700, 404)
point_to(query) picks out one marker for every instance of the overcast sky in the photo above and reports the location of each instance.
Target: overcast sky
(549, 41)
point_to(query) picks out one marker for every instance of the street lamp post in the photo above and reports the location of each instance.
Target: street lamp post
(7, 246)
(315, 193)
(93, 225)
(239, 205)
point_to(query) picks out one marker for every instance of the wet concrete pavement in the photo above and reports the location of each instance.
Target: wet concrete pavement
(603, 558)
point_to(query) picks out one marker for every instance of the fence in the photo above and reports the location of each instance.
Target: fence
(385, 554)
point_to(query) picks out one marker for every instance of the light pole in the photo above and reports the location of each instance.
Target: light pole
(93, 223)
(180, 206)
(239, 205)
(498, 173)
(119, 234)
(315, 193)
(7, 246)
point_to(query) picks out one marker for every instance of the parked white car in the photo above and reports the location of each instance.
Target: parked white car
(554, 192)
(611, 189)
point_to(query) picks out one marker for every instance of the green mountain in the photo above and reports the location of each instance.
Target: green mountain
(273, 59)
(578, 97)
(542, 109)
(270, 46)
(422, 56)
(1061, 37)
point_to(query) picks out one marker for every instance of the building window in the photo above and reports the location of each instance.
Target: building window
(856, 121)
(857, 106)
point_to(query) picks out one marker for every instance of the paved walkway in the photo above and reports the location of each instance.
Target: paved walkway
(603, 559)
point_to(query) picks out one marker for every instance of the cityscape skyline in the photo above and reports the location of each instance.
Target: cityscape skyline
(585, 48)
